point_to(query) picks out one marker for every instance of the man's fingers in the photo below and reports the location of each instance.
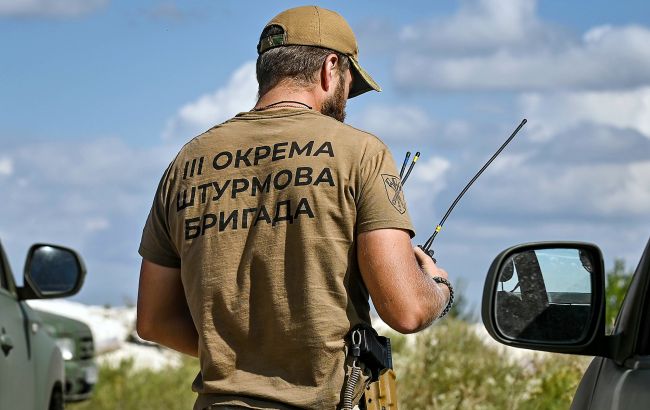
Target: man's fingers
(427, 264)
(424, 260)
(421, 256)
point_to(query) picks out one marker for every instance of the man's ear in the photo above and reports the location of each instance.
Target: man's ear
(329, 71)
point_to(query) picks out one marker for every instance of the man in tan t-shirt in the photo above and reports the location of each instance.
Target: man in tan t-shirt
(268, 232)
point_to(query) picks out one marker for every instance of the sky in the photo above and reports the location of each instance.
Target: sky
(97, 96)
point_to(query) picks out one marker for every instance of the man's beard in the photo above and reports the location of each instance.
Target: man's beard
(335, 105)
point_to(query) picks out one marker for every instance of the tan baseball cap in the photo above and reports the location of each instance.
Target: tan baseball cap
(319, 27)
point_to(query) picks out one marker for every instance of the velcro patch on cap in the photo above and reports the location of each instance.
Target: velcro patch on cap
(271, 41)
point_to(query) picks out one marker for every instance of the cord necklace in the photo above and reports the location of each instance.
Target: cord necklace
(282, 104)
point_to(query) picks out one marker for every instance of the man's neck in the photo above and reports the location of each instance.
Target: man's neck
(288, 97)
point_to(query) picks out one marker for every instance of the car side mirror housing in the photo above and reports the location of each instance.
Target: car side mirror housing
(52, 271)
(547, 296)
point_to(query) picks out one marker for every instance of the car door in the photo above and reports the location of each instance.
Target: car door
(619, 376)
(623, 382)
(16, 365)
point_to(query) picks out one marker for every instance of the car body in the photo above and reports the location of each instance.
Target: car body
(31, 364)
(550, 296)
(75, 340)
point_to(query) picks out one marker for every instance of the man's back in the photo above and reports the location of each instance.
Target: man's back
(268, 232)
(263, 210)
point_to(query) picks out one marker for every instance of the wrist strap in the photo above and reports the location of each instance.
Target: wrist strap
(450, 303)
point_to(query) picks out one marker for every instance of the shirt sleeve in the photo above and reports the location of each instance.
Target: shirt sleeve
(381, 201)
(157, 245)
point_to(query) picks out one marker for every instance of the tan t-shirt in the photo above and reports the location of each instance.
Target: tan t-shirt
(261, 214)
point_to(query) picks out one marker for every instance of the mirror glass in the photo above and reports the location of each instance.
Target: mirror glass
(53, 270)
(545, 295)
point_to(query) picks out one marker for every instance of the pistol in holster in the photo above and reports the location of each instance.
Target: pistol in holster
(374, 352)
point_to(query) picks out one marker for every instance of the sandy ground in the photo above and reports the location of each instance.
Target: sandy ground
(114, 333)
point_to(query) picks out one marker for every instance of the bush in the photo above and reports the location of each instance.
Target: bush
(555, 382)
(124, 388)
(450, 367)
(618, 282)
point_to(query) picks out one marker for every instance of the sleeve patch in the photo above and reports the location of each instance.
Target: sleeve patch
(393, 186)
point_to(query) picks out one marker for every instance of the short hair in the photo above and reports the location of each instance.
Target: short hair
(298, 64)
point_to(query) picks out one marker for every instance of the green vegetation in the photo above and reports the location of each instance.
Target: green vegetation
(461, 309)
(446, 367)
(125, 388)
(449, 367)
(618, 281)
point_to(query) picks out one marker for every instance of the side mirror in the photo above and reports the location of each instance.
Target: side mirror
(52, 271)
(546, 296)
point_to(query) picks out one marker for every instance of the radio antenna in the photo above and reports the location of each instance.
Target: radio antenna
(427, 245)
(415, 159)
(406, 160)
(403, 180)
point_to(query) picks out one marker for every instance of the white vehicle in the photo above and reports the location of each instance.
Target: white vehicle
(31, 364)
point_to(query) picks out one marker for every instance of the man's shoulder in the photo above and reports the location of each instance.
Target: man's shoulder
(353, 134)
(196, 143)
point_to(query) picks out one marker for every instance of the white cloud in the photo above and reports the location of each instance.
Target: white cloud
(538, 189)
(62, 8)
(96, 224)
(553, 113)
(590, 174)
(211, 109)
(6, 166)
(479, 25)
(507, 162)
(83, 184)
(429, 178)
(432, 172)
(501, 45)
(535, 200)
(91, 195)
(633, 193)
(397, 123)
